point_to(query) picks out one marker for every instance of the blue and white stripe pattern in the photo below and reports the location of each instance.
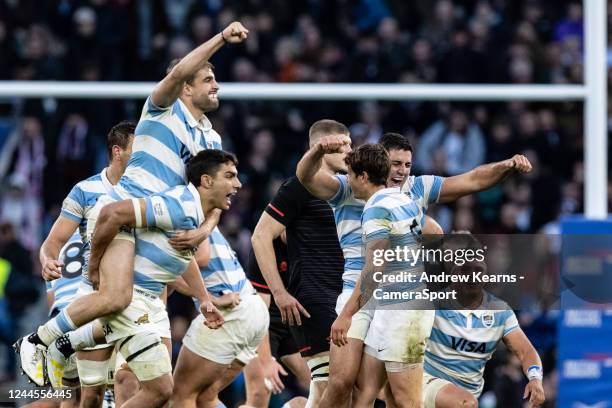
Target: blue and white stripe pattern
(157, 263)
(165, 139)
(347, 214)
(462, 341)
(424, 189)
(83, 197)
(390, 214)
(224, 274)
(64, 289)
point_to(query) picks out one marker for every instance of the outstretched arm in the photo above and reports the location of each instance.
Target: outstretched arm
(481, 178)
(169, 89)
(319, 182)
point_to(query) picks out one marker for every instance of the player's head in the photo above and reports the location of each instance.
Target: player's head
(368, 167)
(465, 248)
(213, 172)
(400, 155)
(119, 143)
(201, 89)
(329, 127)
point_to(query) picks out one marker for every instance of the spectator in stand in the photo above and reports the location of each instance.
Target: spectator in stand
(457, 142)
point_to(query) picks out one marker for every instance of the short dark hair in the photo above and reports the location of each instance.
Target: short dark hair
(203, 64)
(395, 141)
(207, 162)
(372, 159)
(119, 135)
(326, 127)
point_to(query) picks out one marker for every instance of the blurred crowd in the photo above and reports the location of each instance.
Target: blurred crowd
(47, 145)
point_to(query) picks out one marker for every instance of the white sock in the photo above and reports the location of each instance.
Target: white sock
(54, 328)
(82, 337)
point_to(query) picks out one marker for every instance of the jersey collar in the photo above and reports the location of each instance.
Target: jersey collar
(193, 190)
(387, 190)
(479, 311)
(108, 186)
(202, 124)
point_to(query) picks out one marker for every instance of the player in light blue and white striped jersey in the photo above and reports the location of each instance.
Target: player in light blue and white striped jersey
(213, 180)
(425, 189)
(169, 133)
(464, 336)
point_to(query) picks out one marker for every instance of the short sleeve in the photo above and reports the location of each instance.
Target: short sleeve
(73, 207)
(162, 212)
(376, 222)
(343, 193)
(49, 286)
(287, 203)
(153, 110)
(427, 187)
(511, 323)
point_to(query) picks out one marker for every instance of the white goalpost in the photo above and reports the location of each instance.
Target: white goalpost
(592, 92)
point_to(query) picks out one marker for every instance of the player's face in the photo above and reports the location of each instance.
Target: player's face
(204, 90)
(225, 186)
(123, 155)
(336, 161)
(471, 289)
(357, 184)
(401, 163)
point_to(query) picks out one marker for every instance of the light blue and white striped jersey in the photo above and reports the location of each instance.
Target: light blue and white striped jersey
(348, 210)
(392, 215)
(347, 214)
(164, 141)
(462, 341)
(156, 263)
(83, 197)
(224, 274)
(65, 288)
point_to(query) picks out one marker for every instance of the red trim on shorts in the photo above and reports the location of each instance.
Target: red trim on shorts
(259, 285)
(276, 210)
(303, 349)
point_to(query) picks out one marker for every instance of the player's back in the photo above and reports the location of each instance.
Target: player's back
(164, 141)
(347, 215)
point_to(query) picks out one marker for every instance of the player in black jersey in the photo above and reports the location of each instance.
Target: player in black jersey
(316, 262)
(262, 373)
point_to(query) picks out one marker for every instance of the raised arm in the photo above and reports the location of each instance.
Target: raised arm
(60, 233)
(481, 178)
(321, 183)
(169, 89)
(520, 345)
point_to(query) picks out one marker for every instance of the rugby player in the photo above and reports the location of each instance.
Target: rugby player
(345, 361)
(465, 335)
(173, 127)
(315, 262)
(213, 179)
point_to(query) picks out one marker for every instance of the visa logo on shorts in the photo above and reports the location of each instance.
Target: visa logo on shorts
(461, 344)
